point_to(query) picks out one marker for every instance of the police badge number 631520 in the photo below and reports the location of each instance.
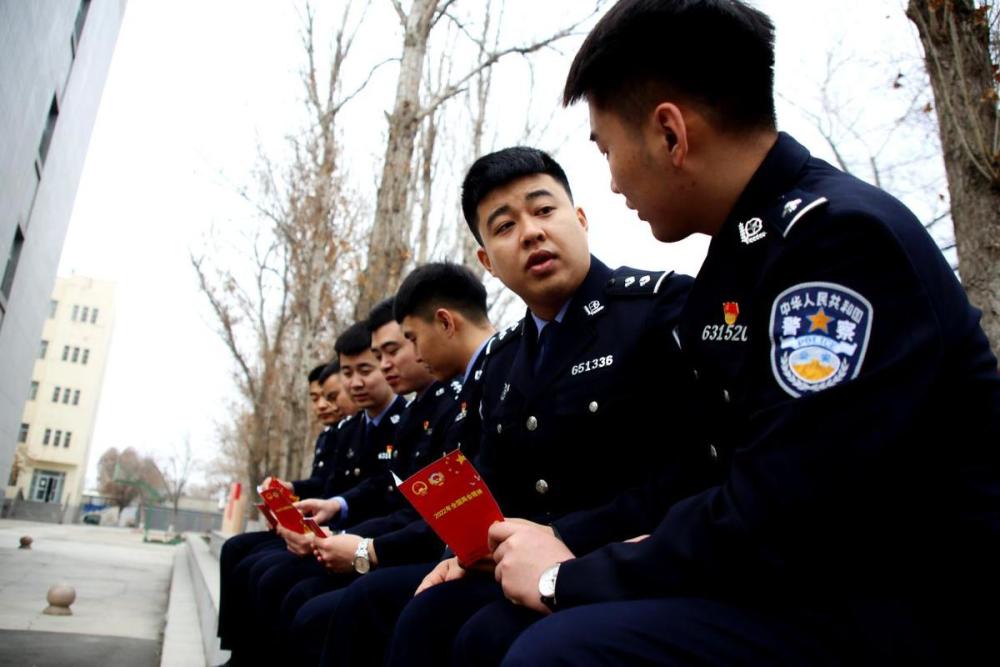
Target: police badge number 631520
(819, 336)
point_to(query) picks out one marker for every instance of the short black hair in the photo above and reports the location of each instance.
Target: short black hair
(355, 339)
(380, 315)
(331, 368)
(314, 373)
(717, 55)
(441, 285)
(500, 168)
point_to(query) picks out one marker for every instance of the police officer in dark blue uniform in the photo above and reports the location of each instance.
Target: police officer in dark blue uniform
(323, 381)
(853, 399)
(578, 379)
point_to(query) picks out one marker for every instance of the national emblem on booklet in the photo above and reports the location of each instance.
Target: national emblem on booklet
(455, 502)
(278, 508)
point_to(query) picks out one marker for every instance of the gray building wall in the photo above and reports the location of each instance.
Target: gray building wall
(41, 58)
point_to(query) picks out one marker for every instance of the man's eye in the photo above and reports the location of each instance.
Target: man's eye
(504, 226)
(545, 210)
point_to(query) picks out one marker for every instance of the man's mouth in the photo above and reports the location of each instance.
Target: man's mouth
(540, 261)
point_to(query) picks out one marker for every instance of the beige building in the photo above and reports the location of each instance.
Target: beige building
(58, 418)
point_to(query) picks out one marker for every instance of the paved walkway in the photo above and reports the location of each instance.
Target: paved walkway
(122, 587)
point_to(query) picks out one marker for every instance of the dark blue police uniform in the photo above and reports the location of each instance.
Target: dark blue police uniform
(855, 405)
(547, 426)
(238, 547)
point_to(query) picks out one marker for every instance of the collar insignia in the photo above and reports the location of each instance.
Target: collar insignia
(752, 231)
(790, 207)
(593, 307)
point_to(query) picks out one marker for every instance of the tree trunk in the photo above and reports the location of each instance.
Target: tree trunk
(955, 36)
(388, 247)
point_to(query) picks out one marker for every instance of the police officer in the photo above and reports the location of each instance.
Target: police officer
(324, 385)
(853, 397)
(577, 381)
(266, 577)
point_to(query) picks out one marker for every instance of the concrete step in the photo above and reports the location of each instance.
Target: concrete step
(193, 613)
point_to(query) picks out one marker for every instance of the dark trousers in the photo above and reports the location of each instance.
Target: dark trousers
(232, 588)
(363, 615)
(307, 609)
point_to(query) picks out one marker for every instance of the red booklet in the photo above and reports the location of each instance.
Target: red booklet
(278, 508)
(454, 500)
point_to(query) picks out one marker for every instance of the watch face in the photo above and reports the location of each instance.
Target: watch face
(361, 565)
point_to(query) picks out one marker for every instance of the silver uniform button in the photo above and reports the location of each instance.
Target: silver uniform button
(713, 451)
(320, 464)
(725, 395)
(499, 428)
(542, 487)
(532, 423)
(593, 406)
(357, 471)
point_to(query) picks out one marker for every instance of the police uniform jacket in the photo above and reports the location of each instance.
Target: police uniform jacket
(312, 486)
(418, 440)
(415, 542)
(358, 446)
(589, 422)
(853, 402)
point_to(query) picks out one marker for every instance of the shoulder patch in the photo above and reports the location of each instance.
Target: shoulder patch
(819, 335)
(627, 281)
(791, 208)
(503, 337)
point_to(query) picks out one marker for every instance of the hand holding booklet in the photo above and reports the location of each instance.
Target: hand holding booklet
(278, 508)
(455, 502)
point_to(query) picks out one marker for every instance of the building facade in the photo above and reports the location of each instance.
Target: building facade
(57, 422)
(54, 60)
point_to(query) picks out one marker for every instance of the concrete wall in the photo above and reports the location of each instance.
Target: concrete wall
(37, 62)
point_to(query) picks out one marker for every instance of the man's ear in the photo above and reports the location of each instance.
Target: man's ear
(672, 131)
(581, 215)
(446, 319)
(484, 259)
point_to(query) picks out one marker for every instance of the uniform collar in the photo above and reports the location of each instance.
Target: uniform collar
(377, 419)
(475, 357)
(775, 175)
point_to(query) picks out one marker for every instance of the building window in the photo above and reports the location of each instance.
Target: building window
(22, 435)
(76, 397)
(43, 348)
(76, 312)
(53, 306)
(85, 314)
(55, 395)
(86, 355)
(93, 316)
(69, 435)
(33, 392)
(57, 439)
(66, 394)
(50, 128)
(47, 437)
(76, 354)
(65, 356)
(12, 260)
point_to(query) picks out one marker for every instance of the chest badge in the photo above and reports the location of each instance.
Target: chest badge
(730, 331)
(752, 231)
(388, 455)
(819, 335)
(730, 311)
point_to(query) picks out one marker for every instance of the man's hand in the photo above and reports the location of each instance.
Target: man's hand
(522, 551)
(446, 570)
(267, 482)
(321, 511)
(336, 553)
(300, 545)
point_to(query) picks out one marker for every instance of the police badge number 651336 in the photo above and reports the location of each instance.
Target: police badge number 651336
(819, 336)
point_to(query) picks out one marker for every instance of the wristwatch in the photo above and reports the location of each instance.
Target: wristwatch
(361, 562)
(547, 586)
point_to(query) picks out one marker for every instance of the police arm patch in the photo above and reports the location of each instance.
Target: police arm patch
(819, 335)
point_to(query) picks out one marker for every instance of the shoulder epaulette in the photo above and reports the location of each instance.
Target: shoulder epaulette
(789, 210)
(503, 337)
(627, 281)
(345, 420)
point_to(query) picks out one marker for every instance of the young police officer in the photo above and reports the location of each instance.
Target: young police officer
(578, 382)
(854, 397)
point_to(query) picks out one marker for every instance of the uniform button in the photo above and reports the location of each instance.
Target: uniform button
(532, 423)
(390, 488)
(499, 428)
(725, 395)
(357, 471)
(593, 406)
(320, 464)
(713, 451)
(542, 487)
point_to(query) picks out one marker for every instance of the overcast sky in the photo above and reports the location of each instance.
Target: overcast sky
(196, 86)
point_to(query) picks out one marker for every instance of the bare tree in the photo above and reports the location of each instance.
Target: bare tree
(960, 40)
(127, 475)
(389, 250)
(177, 473)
